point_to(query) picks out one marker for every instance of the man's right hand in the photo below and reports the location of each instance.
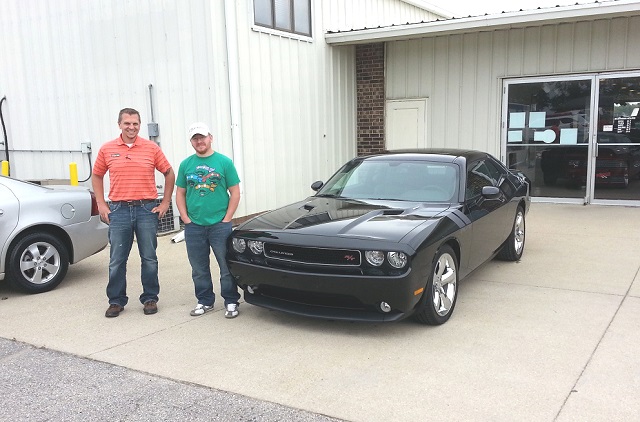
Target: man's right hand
(104, 211)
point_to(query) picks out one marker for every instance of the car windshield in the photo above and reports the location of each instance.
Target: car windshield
(416, 181)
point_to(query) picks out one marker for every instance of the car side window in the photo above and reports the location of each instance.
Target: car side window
(479, 175)
(500, 172)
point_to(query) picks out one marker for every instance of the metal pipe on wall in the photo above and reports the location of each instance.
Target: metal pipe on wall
(6, 138)
(152, 126)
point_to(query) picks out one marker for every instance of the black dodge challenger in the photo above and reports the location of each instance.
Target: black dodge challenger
(387, 237)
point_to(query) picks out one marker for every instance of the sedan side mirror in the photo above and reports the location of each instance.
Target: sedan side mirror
(491, 192)
(317, 185)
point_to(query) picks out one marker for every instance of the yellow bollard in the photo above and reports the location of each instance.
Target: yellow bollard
(73, 173)
(5, 168)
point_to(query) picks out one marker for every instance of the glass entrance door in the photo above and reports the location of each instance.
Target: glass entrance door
(547, 132)
(577, 139)
(617, 163)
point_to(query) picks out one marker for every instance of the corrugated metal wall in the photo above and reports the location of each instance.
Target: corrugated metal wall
(298, 111)
(358, 14)
(71, 65)
(461, 75)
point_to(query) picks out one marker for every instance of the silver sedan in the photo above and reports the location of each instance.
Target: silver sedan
(43, 230)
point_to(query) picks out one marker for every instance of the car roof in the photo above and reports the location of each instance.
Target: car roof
(447, 155)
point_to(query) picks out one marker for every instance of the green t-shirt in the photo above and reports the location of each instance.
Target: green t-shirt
(207, 180)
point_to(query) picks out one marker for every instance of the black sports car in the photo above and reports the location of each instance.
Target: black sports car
(388, 236)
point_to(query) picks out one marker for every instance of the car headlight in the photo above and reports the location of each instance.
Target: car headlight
(239, 245)
(256, 246)
(397, 259)
(375, 258)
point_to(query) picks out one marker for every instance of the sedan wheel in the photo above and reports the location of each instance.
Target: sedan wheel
(38, 262)
(514, 245)
(441, 291)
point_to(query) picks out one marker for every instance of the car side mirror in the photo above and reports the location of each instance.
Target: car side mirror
(490, 192)
(317, 185)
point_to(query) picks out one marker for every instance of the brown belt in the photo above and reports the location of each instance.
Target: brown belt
(134, 202)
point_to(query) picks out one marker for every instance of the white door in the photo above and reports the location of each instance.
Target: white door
(406, 124)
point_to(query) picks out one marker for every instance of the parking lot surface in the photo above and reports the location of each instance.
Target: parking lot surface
(552, 337)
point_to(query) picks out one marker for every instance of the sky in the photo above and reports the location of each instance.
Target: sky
(475, 7)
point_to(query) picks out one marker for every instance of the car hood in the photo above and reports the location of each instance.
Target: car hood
(321, 216)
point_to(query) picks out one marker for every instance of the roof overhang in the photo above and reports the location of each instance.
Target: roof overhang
(505, 20)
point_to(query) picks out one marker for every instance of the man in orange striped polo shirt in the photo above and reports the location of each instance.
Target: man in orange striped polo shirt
(131, 162)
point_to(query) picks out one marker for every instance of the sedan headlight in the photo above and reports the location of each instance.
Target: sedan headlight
(397, 259)
(239, 245)
(256, 246)
(375, 258)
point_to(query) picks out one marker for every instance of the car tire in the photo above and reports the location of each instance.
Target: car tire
(441, 292)
(37, 263)
(513, 247)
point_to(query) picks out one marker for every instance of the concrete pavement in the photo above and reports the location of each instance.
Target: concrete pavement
(46, 385)
(553, 337)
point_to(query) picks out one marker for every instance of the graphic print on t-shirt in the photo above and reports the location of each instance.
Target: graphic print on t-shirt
(204, 179)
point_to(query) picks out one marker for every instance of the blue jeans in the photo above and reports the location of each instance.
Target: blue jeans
(126, 221)
(199, 239)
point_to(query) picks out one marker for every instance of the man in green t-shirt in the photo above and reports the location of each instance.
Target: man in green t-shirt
(207, 196)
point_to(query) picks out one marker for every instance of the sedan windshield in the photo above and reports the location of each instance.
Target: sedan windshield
(416, 181)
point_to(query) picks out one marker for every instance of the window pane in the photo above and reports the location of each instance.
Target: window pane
(548, 134)
(302, 16)
(262, 12)
(617, 168)
(283, 14)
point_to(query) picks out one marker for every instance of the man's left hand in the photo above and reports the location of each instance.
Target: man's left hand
(161, 209)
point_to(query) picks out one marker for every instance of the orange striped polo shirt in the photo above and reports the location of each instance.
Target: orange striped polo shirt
(131, 170)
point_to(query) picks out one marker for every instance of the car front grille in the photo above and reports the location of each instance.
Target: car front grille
(317, 256)
(312, 298)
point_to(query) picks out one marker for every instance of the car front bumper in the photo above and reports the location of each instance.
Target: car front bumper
(329, 296)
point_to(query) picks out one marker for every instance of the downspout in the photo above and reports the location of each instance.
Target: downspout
(231, 37)
(4, 130)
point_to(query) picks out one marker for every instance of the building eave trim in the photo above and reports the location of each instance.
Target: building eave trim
(487, 23)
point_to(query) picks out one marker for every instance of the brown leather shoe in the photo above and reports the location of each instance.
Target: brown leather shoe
(113, 310)
(150, 307)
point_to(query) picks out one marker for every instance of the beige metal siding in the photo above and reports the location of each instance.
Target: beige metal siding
(298, 112)
(341, 15)
(462, 74)
(73, 64)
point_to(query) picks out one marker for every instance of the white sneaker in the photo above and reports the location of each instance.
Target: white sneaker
(232, 310)
(201, 309)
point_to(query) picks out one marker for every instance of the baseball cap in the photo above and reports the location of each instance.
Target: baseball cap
(198, 128)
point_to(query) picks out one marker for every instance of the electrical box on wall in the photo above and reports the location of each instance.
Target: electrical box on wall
(85, 147)
(153, 129)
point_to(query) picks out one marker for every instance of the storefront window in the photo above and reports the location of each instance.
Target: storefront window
(548, 135)
(617, 168)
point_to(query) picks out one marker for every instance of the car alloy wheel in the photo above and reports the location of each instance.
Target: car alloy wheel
(514, 245)
(441, 291)
(38, 262)
(518, 233)
(444, 284)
